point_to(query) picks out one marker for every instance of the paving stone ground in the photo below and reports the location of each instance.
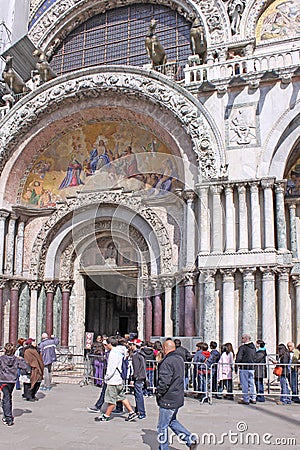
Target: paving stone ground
(60, 421)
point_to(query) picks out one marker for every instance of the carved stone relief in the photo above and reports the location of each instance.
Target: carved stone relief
(196, 121)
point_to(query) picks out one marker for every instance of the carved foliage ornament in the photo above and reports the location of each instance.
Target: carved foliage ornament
(213, 12)
(35, 106)
(43, 240)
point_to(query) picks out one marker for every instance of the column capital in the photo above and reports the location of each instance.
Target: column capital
(3, 283)
(292, 206)
(283, 273)
(296, 280)
(202, 189)
(15, 284)
(228, 189)
(248, 273)
(50, 286)
(166, 281)
(253, 187)
(34, 285)
(241, 189)
(216, 189)
(189, 278)
(4, 214)
(66, 285)
(280, 187)
(208, 275)
(228, 274)
(267, 183)
(146, 283)
(268, 273)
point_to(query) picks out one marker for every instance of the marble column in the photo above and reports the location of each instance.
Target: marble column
(268, 310)
(255, 218)
(216, 219)
(209, 306)
(280, 216)
(229, 220)
(296, 282)
(243, 220)
(181, 324)
(190, 229)
(19, 248)
(34, 287)
(148, 310)
(10, 247)
(228, 319)
(269, 232)
(50, 289)
(167, 284)
(284, 309)
(293, 230)
(249, 310)
(157, 310)
(2, 286)
(189, 304)
(66, 287)
(3, 217)
(14, 310)
(203, 219)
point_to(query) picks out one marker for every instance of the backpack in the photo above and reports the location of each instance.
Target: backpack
(124, 369)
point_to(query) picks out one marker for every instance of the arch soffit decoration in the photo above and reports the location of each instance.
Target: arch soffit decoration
(275, 154)
(87, 235)
(62, 17)
(73, 205)
(89, 83)
(252, 13)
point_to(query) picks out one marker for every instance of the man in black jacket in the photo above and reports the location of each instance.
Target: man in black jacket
(170, 397)
(246, 358)
(139, 377)
(187, 357)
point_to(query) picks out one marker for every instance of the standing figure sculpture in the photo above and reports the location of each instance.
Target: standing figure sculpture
(155, 50)
(235, 11)
(44, 69)
(198, 41)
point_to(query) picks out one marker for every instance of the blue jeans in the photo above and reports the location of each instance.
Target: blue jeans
(167, 418)
(7, 390)
(259, 383)
(285, 396)
(139, 398)
(293, 380)
(248, 385)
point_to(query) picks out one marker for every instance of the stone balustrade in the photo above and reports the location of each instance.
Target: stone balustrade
(243, 67)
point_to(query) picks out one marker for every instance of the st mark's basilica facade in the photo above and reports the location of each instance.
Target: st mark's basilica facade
(150, 170)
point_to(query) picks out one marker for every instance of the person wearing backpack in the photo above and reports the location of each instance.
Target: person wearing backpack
(115, 390)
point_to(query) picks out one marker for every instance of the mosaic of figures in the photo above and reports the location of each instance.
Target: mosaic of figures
(293, 180)
(280, 20)
(102, 155)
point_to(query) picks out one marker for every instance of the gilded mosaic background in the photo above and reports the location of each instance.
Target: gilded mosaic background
(280, 20)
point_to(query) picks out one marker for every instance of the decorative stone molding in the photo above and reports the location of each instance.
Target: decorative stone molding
(228, 274)
(50, 286)
(66, 286)
(268, 273)
(84, 84)
(208, 275)
(296, 280)
(34, 285)
(63, 16)
(15, 284)
(72, 206)
(3, 283)
(69, 254)
(253, 11)
(189, 278)
(283, 273)
(248, 273)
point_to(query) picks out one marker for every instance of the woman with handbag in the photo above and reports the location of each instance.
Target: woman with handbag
(35, 361)
(282, 371)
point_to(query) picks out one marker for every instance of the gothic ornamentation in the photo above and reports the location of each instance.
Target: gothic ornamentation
(44, 102)
(64, 212)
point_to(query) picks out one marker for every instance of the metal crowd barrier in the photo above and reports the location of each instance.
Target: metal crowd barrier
(200, 379)
(68, 364)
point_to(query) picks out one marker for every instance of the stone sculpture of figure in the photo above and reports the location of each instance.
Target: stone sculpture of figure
(198, 41)
(43, 67)
(155, 50)
(235, 11)
(11, 78)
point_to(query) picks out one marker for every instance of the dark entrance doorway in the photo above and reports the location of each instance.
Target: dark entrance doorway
(108, 313)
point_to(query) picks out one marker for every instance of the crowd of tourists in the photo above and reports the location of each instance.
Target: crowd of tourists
(28, 363)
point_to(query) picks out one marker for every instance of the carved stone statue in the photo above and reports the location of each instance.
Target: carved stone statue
(11, 78)
(155, 50)
(43, 67)
(235, 11)
(198, 41)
